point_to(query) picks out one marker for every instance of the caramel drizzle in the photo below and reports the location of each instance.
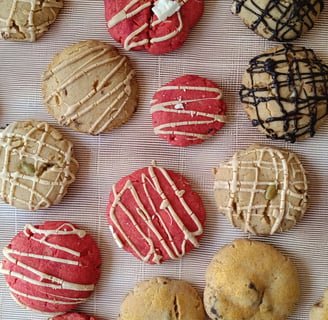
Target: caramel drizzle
(281, 164)
(124, 14)
(54, 283)
(30, 29)
(295, 16)
(168, 128)
(83, 105)
(293, 78)
(168, 245)
(16, 179)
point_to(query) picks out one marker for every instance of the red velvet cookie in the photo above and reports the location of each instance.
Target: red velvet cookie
(155, 26)
(52, 267)
(73, 316)
(154, 214)
(188, 110)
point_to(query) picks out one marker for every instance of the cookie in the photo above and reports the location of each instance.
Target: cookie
(319, 310)
(155, 26)
(250, 280)
(261, 189)
(162, 298)
(154, 214)
(278, 20)
(90, 87)
(52, 267)
(73, 316)
(37, 165)
(285, 92)
(27, 20)
(188, 110)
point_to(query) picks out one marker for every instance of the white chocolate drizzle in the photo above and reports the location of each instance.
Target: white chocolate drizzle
(30, 183)
(171, 106)
(92, 59)
(167, 242)
(40, 278)
(124, 14)
(285, 166)
(30, 31)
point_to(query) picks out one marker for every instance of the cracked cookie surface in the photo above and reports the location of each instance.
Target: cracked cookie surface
(250, 280)
(162, 298)
(27, 20)
(319, 310)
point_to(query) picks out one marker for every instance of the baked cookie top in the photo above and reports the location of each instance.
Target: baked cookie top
(37, 165)
(27, 20)
(162, 298)
(285, 92)
(188, 110)
(319, 310)
(51, 268)
(90, 87)
(262, 189)
(155, 26)
(154, 214)
(250, 280)
(278, 20)
(73, 316)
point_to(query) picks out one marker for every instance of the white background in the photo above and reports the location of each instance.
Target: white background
(218, 48)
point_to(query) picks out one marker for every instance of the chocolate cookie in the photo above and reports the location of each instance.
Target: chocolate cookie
(278, 20)
(90, 87)
(27, 20)
(162, 298)
(285, 92)
(250, 280)
(37, 165)
(261, 190)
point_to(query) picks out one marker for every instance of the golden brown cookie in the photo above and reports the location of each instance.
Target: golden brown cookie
(261, 189)
(250, 280)
(27, 20)
(319, 310)
(285, 92)
(37, 165)
(162, 298)
(90, 87)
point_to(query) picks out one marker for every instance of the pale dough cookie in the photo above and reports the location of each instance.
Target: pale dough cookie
(90, 87)
(27, 20)
(285, 92)
(278, 20)
(36, 165)
(250, 280)
(319, 310)
(262, 189)
(162, 299)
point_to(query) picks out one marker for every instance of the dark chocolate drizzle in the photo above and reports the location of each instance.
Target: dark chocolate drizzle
(316, 75)
(295, 17)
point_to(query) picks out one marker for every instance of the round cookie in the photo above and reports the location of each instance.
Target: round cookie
(278, 20)
(51, 268)
(285, 92)
(37, 165)
(162, 298)
(155, 26)
(73, 316)
(90, 87)
(319, 310)
(188, 110)
(154, 214)
(261, 190)
(250, 280)
(27, 20)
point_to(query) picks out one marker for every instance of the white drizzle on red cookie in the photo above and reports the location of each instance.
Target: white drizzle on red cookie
(154, 180)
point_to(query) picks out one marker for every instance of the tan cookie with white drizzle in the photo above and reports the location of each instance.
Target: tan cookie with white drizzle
(90, 87)
(27, 20)
(37, 165)
(262, 189)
